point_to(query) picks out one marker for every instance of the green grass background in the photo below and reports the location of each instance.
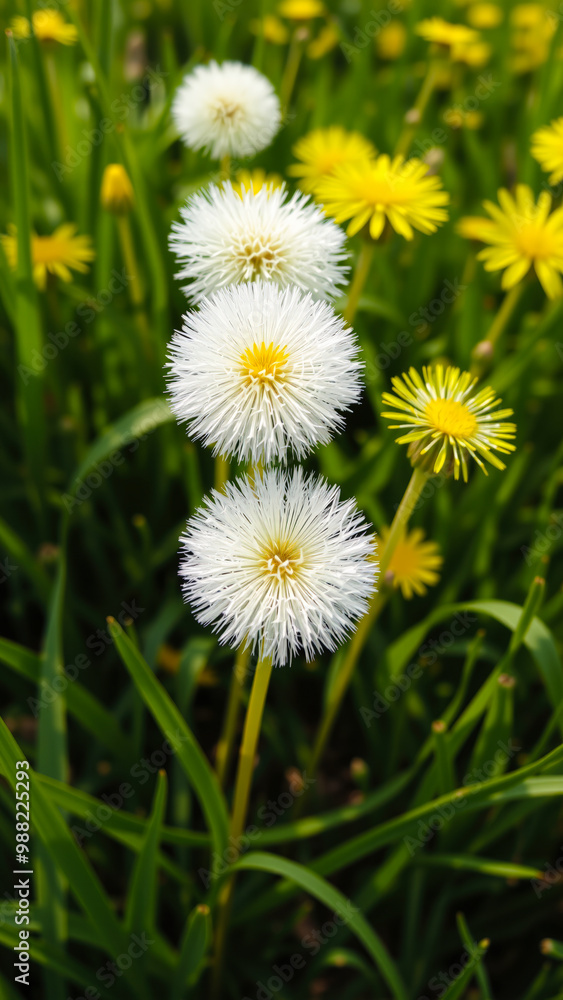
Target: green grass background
(71, 564)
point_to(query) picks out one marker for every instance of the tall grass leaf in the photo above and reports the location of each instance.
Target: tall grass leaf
(195, 942)
(70, 860)
(141, 908)
(174, 728)
(316, 886)
(81, 704)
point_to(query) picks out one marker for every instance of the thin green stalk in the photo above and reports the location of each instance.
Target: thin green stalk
(358, 640)
(342, 682)
(248, 747)
(222, 469)
(136, 292)
(225, 744)
(416, 113)
(497, 327)
(360, 277)
(446, 777)
(293, 61)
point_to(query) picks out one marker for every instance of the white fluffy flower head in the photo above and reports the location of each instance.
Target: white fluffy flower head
(227, 237)
(259, 370)
(227, 110)
(281, 564)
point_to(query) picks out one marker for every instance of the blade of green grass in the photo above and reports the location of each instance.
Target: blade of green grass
(173, 726)
(70, 860)
(195, 942)
(52, 761)
(85, 707)
(316, 886)
(141, 909)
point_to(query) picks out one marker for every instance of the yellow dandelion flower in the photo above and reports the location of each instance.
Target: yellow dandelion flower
(324, 149)
(534, 27)
(523, 235)
(475, 54)
(301, 10)
(485, 15)
(527, 16)
(458, 118)
(325, 41)
(391, 40)
(448, 421)
(472, 227)
(255, 179)
(117, 191)
(48, 26)
(272, 28)
(547, 149)
(373, 191)
(57, 254)
(435, 29)
(414, 563)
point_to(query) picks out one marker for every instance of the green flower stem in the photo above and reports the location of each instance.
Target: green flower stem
(226, 742)
(294, 54)
(416, 484)
(419, 107)
(360, 277)
(343, 679)
(243, 782)
(225, 167)
(222, 469)
(136, 293)
(497, 327)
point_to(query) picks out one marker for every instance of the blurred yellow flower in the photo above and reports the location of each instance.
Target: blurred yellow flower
(324, 149)
(117, 191)
(255, 179)
(524, 235)
(48, 26)
(485, 15)
(301, 10)
(458, 118)
(534, 27)
(390, 41)
(414, 562)
(547, 149)
(373, 191)
(472, 227)
(528, 15)
(435, 29)
(475, 54)
(57, 254)
(272, 28)
(325, 41)
(447, 421)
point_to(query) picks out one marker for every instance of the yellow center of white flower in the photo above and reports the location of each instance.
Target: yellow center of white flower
(225, 110)
(451, 417)
(282, 559)
(261, 256)
(264, 364)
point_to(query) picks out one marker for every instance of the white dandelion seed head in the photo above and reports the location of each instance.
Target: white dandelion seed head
(226, 110)
(259, 371)
(280, 564)
(227, 237)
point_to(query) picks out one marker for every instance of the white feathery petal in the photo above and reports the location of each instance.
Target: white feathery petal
(280, 564)
(227, 237)
(259, 370)
(226, 110)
